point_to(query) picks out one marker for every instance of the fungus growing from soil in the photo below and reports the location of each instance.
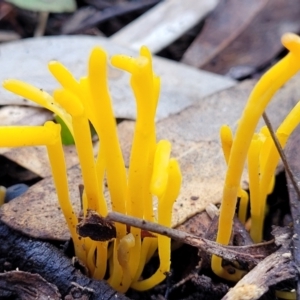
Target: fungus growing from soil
(260, 149)
(152, 173)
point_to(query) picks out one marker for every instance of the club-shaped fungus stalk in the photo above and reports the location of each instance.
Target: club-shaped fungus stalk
(257, 102)
(270, 162)
(151, 172)
(165, 203)
(226, 142)
(49, 136)
(142, 79)
(253, 172)
(38, 96)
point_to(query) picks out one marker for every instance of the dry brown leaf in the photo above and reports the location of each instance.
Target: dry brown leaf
(37, 213)
(196, 225)
(27, 60)
(259, 43)
(221, 28)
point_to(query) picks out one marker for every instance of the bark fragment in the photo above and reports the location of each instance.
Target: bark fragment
(275, 268)
(35, 256)
(24, 285)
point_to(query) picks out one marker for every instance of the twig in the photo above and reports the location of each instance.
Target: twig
(282, 155)
(149, 226)
(251, 254)
(42, 23)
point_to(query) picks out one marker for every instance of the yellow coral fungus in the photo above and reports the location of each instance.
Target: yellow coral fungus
(262, 155)
(151, 171)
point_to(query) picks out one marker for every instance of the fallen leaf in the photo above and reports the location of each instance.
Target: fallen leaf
(66, 135)
(181, 85)
(196, 225)
(37, 213)
(164, 24)
(221, 28)
(260, 42)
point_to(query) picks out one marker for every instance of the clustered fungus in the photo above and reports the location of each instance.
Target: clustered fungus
(258, 149)
(152, 173)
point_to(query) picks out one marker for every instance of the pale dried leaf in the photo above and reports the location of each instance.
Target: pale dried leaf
(164, 24)
(23, 115)
(27, 60)
(181, 85)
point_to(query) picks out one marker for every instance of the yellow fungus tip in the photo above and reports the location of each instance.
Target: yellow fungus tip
(144, 51)
(69, 101)
(291, 41)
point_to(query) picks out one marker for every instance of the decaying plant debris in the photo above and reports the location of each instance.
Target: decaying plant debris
(251, 254)
(273, 261)
(24, 285)
(38, 257)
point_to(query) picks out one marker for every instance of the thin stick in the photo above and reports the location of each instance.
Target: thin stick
(231, 253)
(148, 226)
(282, 155)
(42, 23)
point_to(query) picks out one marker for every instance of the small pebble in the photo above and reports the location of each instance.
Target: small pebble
(15, 191)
